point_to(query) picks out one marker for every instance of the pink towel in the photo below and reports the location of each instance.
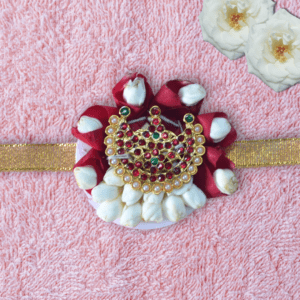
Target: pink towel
(57, 58)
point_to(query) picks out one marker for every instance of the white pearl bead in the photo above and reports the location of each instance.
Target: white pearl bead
(146, 188)
(200, 139)
(185, 177)
(113, 161)
(127, 178)
(197, 160)
(119, 171)
(200, 150)
(110, 151)
(110, 130)
(177, 182)
(114, 120)
(197, 129)
(157, 188)
(136, 185)
(109, 141)
(191, 169)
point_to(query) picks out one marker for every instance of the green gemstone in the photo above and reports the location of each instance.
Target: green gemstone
(155, 135)
(154, 161)
(124, 111)
(189, 118)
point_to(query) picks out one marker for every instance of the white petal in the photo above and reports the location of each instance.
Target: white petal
(86, 177)
(174, 208)
(135, 92)
(152, 198)
(220, 127)
(111, 178)
(88, 124)
(131, 196)
(110, 210)
(225, 181)
(194, 197)
(103, 192)
(185, 187)
(152, 212)
(191, 94)
(131, 215)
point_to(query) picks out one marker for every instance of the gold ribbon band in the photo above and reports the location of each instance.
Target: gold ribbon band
(61, 157)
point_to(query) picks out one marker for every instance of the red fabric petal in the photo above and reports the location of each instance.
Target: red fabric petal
(206, 119)
(97, 160)
(169, 102)
(213, 159)
(96, 138)
(136, 111)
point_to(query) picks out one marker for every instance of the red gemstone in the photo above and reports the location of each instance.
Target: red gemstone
(188, 131)
(159, 146)
(138, 164)
(165, 135)
(155, 152)
(180, 150)
(120, 143)
(135, 173)
(130, 166)
(190, 149)
(135, 139)
(176, 171)
(190, 141)
(160, 128)
(187, 158)
(160, 166)
(168, 166)
(144, 177)
(124, 161)
(171, 155)
(129, 133)
(142, 142)
(175, 142)
(161, 177)
(137, 152)
(146, 134)
(152, 178)
(121, 151)
(123, 126)
(151, 128)
(183, 165)
(120, 134)
(181, 138)
(168, 145)
(128, 144)
(155, 111)
(155, 121)
(151, 145)
(147, 164)
(147, 155)
(161, 157)
(153, 170)
(169, 175)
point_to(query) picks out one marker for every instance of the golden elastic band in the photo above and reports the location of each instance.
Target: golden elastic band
(61, 157)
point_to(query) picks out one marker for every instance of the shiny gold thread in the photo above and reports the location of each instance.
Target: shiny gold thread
(61, 157)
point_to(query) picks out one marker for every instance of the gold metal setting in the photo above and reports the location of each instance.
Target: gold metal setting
(154, 159)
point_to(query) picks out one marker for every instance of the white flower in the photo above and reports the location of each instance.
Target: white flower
(225, 23)
(135, 92)
(225, 181)
(152, 198)
(88, 124)
(273, 51)
(194, 197)
(86, 177)
(110, 210)
(152, 212)
(103, 192)
(111, 178)
(191, 94)
(131, 215)
(219, 129)
(174, 208)
(131, 196)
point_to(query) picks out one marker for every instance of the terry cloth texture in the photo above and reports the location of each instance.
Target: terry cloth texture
(57, 58)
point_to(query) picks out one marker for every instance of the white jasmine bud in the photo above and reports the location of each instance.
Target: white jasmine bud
(87, 124)
(191, 94)
(194, 197)
(174, 208)
(131, 215)
(86, 177)
(111, 178)
(135, 92)
(225, 181)
(183, 189)
(131, 196)
(152, 198)
(152, 212)
(220, 127)
(110, 210)
(103, 192)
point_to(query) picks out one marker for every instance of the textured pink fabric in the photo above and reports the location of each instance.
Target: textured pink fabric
(57, 58)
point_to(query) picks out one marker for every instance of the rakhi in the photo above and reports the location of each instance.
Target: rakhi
(152, 160)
